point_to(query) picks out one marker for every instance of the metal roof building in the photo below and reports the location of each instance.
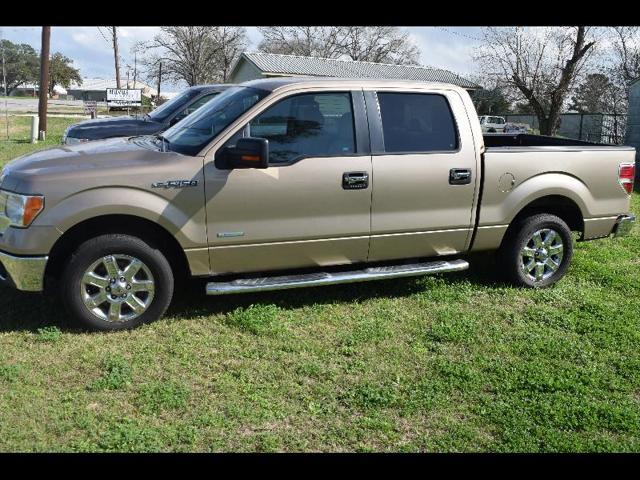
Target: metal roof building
(251, 66)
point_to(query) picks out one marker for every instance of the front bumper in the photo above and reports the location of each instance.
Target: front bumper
(23, 273)
(623, 225)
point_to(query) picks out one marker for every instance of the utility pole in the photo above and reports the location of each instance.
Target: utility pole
(159, 80)
(44, 82)
(135, 68)
(4, 82)
(115, 53)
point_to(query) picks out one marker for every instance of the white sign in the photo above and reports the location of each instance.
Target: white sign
(90, 107)
(120, 97)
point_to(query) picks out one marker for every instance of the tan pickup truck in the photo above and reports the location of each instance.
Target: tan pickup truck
(283, 183)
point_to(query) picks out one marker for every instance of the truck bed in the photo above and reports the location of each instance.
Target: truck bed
(519, 168)
(528, 140)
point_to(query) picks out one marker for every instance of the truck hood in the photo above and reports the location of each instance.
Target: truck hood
(100, 159)
(101, 128)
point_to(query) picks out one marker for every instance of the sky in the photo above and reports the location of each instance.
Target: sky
(442, 47)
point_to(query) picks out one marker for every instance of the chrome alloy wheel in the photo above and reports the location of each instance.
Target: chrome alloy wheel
(541, 255)
(117, 288)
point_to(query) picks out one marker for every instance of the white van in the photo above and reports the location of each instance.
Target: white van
(492, 124)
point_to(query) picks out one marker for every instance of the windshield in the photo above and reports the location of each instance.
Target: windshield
(176, 103)
(193, 133)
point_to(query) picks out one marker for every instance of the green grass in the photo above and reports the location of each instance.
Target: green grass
(459, 362)
(20, 136)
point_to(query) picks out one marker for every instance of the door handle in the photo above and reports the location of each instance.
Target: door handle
(355, 180)
(459, 176)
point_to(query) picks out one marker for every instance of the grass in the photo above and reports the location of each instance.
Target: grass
(20, 136)
(461, 362)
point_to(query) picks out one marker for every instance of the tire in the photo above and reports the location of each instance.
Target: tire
(141, 293)
(522, 267)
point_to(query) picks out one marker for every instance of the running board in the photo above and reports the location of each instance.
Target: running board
(262, 284)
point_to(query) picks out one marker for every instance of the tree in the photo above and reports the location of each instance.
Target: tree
(491, 102)
(324, 42)
(380, 45)
(621, 66)
(194, 55)
(230, 42)
(61, 72)
(626, 50)
(541, 64)
(22, 64)
(368, 44)
(593, 95)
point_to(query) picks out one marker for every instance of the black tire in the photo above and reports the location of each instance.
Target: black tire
(93, 250)
(519, 235)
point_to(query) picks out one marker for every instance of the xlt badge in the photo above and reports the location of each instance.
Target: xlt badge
(175, 184)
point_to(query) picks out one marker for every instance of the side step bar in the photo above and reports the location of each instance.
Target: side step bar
(261, 284)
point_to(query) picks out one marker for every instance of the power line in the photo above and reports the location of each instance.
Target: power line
(460, 34)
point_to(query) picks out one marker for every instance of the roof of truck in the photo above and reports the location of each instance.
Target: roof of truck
(276, 83)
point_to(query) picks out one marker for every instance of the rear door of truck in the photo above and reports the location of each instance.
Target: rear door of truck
(425, 173)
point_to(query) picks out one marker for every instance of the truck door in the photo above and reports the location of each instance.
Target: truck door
(424, 174)
(311, 206)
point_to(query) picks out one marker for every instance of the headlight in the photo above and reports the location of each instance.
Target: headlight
(73, 140)
(20, 210)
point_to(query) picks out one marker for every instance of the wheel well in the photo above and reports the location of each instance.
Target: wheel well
(125, 224)
(563, 207)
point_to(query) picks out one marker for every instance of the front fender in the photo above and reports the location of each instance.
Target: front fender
(182, 214)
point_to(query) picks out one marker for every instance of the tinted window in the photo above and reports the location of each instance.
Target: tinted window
(198, 103)
(170, 106)
(318, 124)
(417, 122)
(193, 133)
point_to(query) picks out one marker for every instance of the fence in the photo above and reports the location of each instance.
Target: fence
(592, 127)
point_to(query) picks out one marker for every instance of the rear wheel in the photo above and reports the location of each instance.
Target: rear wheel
(537, 251)
(116, 282)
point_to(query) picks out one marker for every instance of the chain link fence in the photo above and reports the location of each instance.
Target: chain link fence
(592, 127)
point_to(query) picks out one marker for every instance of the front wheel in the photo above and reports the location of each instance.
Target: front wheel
(537, 251)
(116, 282)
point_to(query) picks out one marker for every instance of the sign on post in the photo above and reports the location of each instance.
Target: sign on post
(90, 108)
(120, 97)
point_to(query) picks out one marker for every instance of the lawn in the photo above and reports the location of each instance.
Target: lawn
(459, 362)
(20, 135)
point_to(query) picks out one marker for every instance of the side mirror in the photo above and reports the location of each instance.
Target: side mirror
(247, 153)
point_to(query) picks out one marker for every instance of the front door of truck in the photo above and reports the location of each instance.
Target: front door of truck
(425, 174)
(311, 206)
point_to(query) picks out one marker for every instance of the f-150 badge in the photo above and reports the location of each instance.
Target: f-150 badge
(175, 184)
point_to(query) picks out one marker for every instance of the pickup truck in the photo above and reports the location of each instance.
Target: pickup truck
(166, 115)
(293, 182)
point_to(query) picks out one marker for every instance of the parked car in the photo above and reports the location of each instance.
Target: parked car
(156, 121)
(284, 183)
(516, 128)
(491, 124)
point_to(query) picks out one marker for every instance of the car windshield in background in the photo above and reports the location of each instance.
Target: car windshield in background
(176, 103)
(192, 134)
